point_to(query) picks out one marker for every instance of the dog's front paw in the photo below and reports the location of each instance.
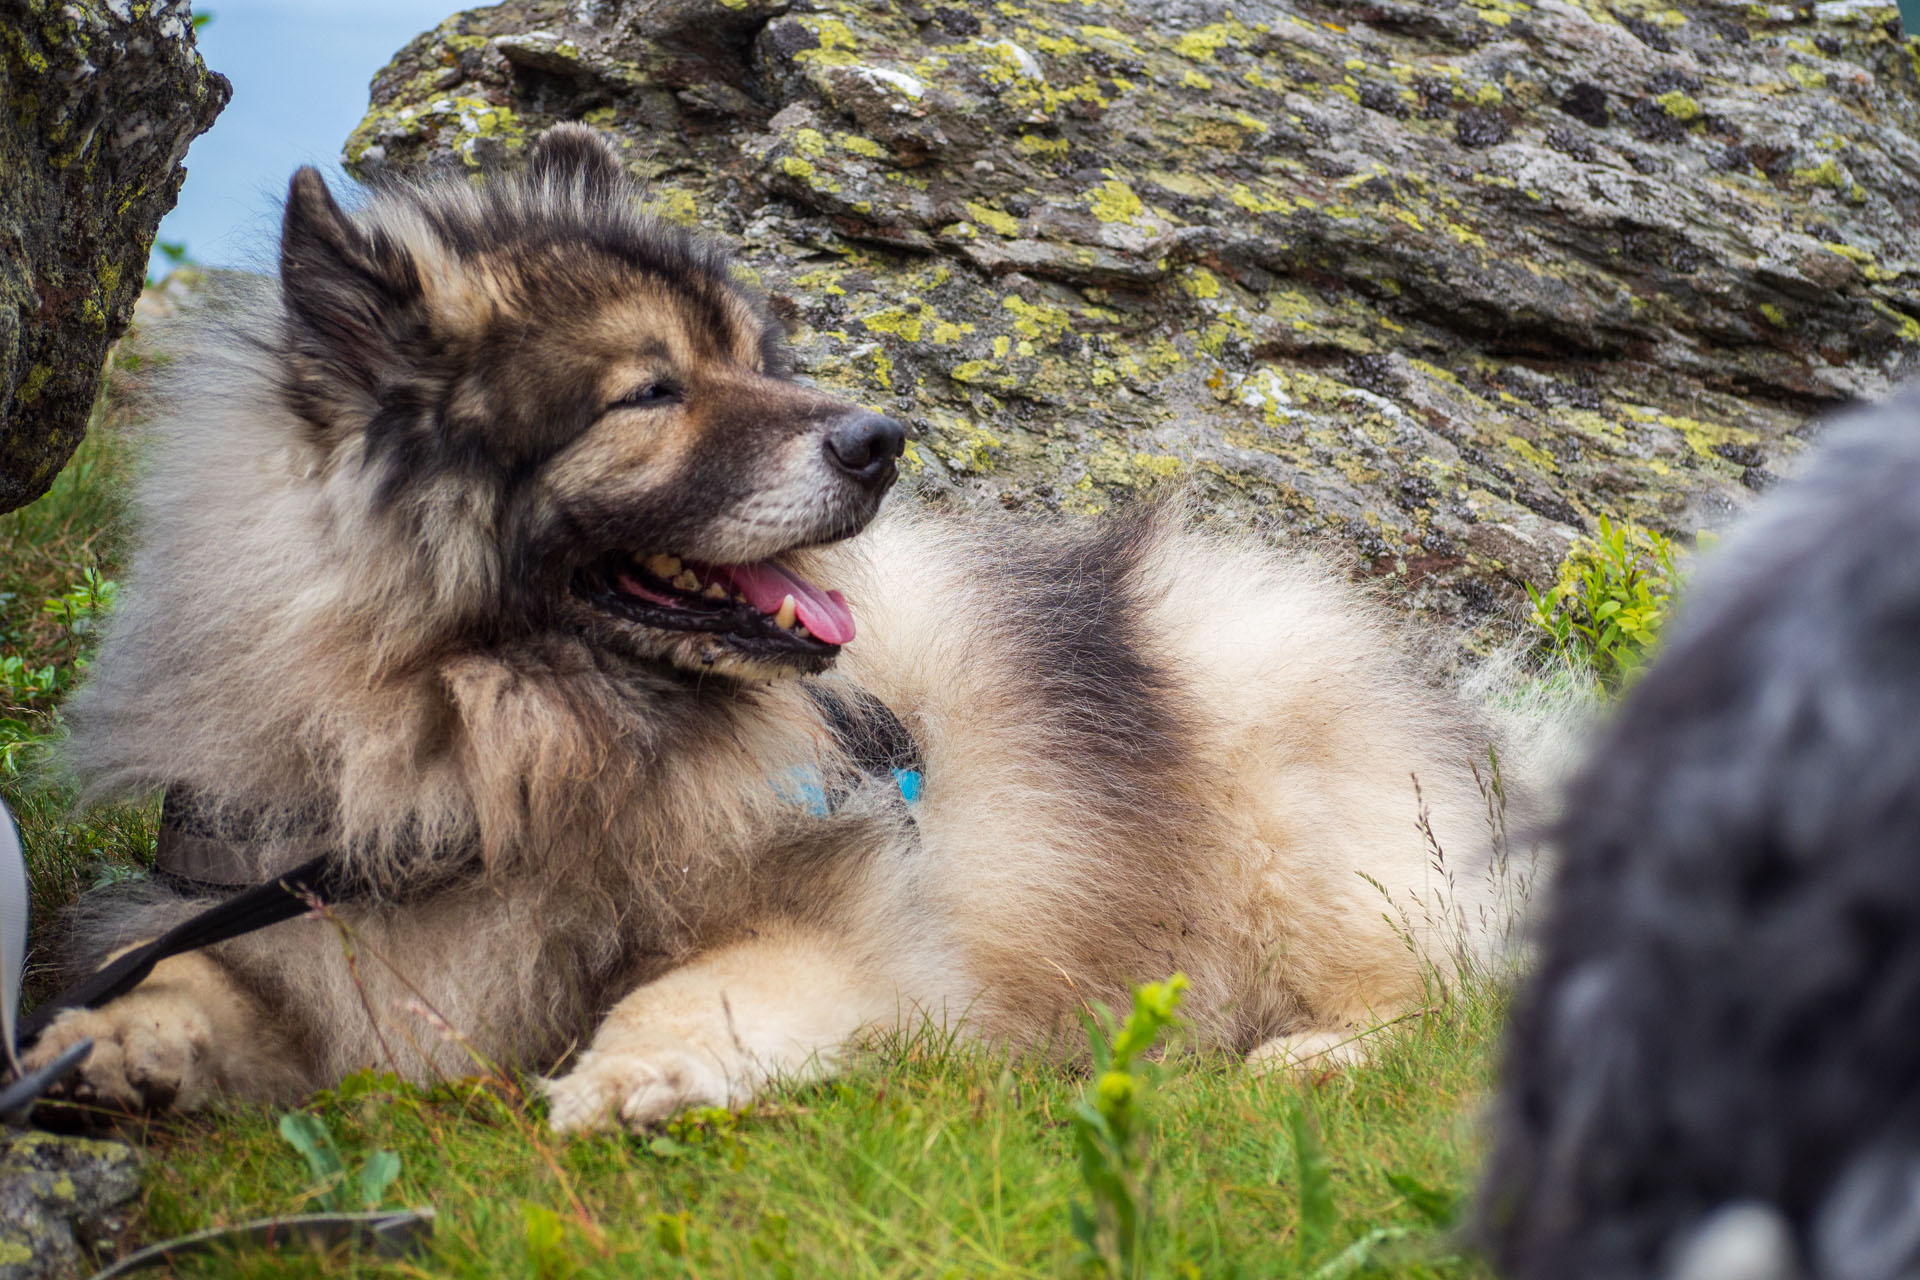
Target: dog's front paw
(1309, 1052)
(640, 1085)
(147, 1053)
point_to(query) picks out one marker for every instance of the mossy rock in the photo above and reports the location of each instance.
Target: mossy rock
(1438, 283)
(101, 98)
(60, 1195)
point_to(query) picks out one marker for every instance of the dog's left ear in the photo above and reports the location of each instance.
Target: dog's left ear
(344, 287)
(575, 153)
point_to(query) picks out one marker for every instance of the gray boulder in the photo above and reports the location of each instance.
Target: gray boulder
(1439, 282)
(101, 98)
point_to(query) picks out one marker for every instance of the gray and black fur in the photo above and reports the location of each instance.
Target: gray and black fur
(1723, 1036)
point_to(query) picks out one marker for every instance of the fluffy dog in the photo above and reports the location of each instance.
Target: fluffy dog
(1715, 1072)
(499, 551)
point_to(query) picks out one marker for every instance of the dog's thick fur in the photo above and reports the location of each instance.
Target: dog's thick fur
(360, 535)
(1715, 1072)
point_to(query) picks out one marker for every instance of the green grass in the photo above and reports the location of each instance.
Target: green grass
(925, 1159)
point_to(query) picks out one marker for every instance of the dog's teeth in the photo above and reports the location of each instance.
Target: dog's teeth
(686, 581)
(715, 591)
(663, 566)
(788, 613)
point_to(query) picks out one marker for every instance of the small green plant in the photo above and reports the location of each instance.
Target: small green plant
(335, 1189)
(29, 694)
(714, 1129)
(1110, 1132)
(81, 608)
(1605, 610)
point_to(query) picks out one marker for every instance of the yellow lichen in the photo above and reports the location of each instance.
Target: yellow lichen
(1404, 215)
(1114, 201)
(795, 167)
(837, 42)
(1200, 45)
(1035, 145)
(1433, 371)
(1909, 327)
(861, 146)
(1465, 235)
(977, 446)
(1042, 322)
(1001, 224)
(1679, 105)
(33, 383)
(1532, 452)
(672, 204)
(900, 322)
(1824, 174)
(1200, 283)
(1254, 203)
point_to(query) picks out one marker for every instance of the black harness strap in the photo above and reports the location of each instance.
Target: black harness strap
(206, 852)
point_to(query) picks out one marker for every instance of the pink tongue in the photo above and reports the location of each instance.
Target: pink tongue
(766, 585)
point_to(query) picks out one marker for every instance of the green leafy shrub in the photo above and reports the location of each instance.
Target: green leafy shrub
(1604, 612)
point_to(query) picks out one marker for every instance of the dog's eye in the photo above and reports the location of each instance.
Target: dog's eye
(650, 396)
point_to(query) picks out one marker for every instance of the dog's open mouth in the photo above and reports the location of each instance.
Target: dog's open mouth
(760, 605)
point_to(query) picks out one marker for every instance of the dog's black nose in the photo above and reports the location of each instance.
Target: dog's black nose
(864, 446)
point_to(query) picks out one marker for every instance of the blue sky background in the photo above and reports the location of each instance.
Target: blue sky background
(300, 70)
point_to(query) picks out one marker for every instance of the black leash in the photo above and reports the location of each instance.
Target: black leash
(255, 908)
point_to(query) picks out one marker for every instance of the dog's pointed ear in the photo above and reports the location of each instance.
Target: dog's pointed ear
(342, 286)
(570, 153)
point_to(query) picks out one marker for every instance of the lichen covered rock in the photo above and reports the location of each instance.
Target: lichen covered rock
(58, 1193)
(1442, 280)
(101, 98)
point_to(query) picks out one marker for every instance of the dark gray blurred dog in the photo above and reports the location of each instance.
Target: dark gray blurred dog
(1715, 1071)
